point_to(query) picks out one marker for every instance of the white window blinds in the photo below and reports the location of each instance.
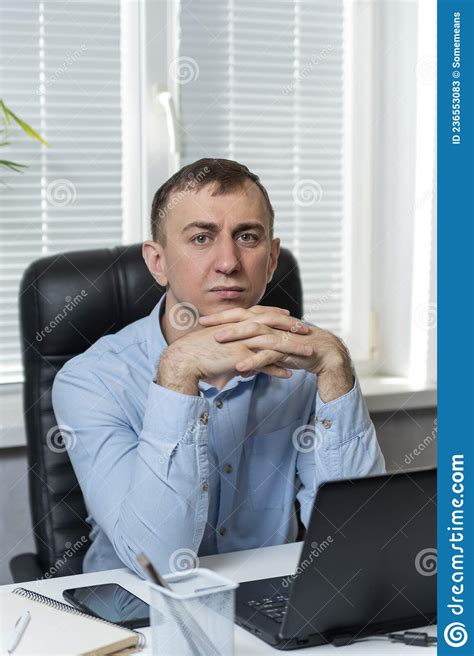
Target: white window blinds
(262, 83)
(60, 72)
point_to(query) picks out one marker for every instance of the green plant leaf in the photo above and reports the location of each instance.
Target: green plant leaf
(28, 129)
(4, 109)
(24, 126)
(13, 166)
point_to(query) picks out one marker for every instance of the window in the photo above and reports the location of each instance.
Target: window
(60, 70)
(263, 83)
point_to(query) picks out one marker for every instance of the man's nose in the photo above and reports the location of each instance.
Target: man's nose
(227, 257)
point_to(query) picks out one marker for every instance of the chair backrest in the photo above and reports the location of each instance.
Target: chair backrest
(67, 302)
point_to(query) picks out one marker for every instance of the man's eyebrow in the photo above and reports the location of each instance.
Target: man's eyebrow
(213, 227)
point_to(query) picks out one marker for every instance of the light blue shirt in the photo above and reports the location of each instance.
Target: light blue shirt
(169, 474)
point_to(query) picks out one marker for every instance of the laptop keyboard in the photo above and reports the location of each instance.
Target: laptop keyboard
(272, 607)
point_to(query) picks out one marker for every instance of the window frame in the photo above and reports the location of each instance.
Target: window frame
(148, 161)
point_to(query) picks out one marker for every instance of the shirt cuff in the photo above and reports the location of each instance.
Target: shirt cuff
(342, 419)
(170, 413)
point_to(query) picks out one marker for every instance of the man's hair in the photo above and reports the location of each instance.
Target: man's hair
(225, 174)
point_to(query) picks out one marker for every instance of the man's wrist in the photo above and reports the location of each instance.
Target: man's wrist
(175, 375)
(334, 382)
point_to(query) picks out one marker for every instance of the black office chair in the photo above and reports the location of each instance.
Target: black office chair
(67, 302)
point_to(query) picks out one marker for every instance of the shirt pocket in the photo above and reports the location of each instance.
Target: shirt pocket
(272, 467)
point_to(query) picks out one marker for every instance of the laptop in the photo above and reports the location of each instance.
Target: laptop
(367, 566)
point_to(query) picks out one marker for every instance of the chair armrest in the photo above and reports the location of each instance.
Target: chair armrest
(25, 567)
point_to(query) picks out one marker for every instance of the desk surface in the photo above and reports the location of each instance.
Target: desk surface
(239, 566)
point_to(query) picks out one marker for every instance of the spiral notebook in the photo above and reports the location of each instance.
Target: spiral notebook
(56, 628)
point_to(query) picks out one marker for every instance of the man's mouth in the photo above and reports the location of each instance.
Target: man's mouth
(223, 291)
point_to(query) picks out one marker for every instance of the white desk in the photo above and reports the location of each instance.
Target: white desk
(240, 566)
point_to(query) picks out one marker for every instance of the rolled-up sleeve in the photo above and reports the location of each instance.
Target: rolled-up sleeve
(345, 446)
(148, 491)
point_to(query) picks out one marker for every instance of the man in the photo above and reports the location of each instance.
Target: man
(195, 427)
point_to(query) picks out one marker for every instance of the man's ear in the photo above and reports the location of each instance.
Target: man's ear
(274, 254)
(153, 254)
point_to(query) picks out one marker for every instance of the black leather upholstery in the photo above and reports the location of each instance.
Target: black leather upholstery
(104, 290)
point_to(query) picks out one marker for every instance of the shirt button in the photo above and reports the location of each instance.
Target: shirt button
(326, 423)
(228, 468)
(316, 420)
(204, 418)
(205, 486)
(219, 403)
(222, 530)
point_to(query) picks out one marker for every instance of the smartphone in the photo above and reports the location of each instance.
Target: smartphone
(110, 602)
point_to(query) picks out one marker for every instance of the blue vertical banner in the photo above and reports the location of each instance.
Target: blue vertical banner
(456, 327)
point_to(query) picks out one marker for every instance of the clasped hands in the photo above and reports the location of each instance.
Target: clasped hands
(282, 343)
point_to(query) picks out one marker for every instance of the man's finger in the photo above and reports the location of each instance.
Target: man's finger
(260, 326)
(278, 372)
(238, 314)
(258, 361)
(287, 346)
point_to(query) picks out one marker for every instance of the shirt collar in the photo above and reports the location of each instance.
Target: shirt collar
(156, 343)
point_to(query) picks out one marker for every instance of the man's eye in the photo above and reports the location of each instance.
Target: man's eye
(199, 239)
(250, 237)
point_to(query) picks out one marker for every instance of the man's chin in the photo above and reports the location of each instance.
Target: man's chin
(220, 304)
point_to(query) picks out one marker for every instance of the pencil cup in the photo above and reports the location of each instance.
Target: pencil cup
(195, 617)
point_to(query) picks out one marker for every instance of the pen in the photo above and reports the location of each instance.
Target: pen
(18, 631)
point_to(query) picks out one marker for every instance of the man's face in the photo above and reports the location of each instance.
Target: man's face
(218, 241)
